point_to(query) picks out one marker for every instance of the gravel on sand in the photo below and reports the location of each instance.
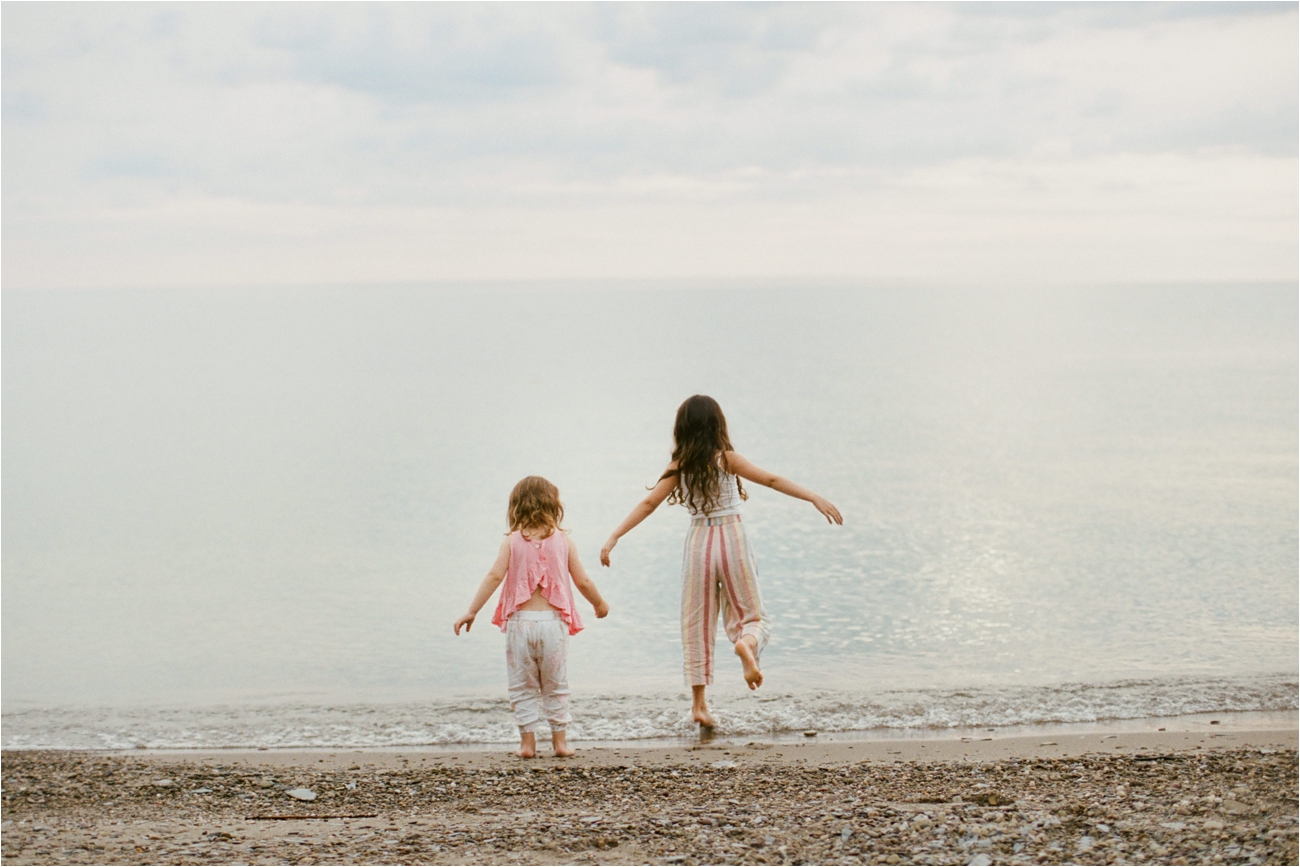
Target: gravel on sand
(1219, 806)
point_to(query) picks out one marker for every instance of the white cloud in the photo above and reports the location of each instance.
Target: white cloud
(247, 143)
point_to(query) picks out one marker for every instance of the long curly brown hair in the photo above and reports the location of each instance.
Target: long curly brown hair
(699, 440)
(535, 505)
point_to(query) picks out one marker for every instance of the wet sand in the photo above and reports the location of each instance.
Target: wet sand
(1220, 795)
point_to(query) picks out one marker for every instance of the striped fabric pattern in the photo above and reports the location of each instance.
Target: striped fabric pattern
(719, 579)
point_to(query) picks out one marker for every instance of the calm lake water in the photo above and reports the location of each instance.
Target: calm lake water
(236, 517)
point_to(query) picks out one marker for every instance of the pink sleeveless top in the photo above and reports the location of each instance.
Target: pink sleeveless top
(540, 563)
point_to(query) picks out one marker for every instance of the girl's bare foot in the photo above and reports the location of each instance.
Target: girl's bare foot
(561, 744)
(699, 709)
(527, 745)
(747, 650)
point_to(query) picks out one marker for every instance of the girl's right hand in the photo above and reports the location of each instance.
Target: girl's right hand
(604, 552)
(466, 620)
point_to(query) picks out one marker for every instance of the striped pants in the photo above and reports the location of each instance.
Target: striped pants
(719, 578)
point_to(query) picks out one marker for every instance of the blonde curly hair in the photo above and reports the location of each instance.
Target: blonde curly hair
(535, 504)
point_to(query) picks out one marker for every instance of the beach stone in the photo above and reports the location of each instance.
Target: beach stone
(1233, 806)
(163, 784)
(1213, 825)
(302, 794)
(1085, 843)
(980, 860)
(725, 763)
(471, 815)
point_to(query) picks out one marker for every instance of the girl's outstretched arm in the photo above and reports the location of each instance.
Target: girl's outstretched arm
(748, 471)
(583, 582)
(489, 586)
(641, 511)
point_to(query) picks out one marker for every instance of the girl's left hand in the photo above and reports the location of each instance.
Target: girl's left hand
(827, 508)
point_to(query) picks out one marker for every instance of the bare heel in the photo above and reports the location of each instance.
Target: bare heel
(747, 650)
(700, 709)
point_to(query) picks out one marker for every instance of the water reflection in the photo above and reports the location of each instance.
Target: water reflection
(258, 494)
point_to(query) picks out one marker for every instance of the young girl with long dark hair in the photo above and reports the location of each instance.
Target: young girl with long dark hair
(719, 577)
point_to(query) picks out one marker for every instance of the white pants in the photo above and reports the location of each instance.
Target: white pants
(536, 664)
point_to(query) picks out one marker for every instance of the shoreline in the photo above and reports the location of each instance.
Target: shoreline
(1208, 724)
(1221, 794)
(1211, 723)
(1221, 731)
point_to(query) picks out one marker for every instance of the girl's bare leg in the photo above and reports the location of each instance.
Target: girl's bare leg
(560, 741)
(700, 708)
(747, 650)
(527, 745)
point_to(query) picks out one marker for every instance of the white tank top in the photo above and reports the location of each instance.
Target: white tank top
(728, 499)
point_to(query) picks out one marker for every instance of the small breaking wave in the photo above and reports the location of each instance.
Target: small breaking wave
(642, 717)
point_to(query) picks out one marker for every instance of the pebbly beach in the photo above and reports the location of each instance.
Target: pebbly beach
(1200, 795)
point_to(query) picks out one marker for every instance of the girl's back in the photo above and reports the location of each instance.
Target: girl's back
(728, 498)
(538, 566)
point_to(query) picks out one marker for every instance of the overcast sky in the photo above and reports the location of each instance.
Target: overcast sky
(257, 144)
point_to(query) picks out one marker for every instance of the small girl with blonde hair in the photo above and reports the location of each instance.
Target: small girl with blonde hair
(536, 611)
(719, 576)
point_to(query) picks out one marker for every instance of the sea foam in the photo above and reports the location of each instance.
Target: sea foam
(482, 721)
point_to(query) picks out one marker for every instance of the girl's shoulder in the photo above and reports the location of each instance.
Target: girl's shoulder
(556, 533)
(558, 543)
(517, 539)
